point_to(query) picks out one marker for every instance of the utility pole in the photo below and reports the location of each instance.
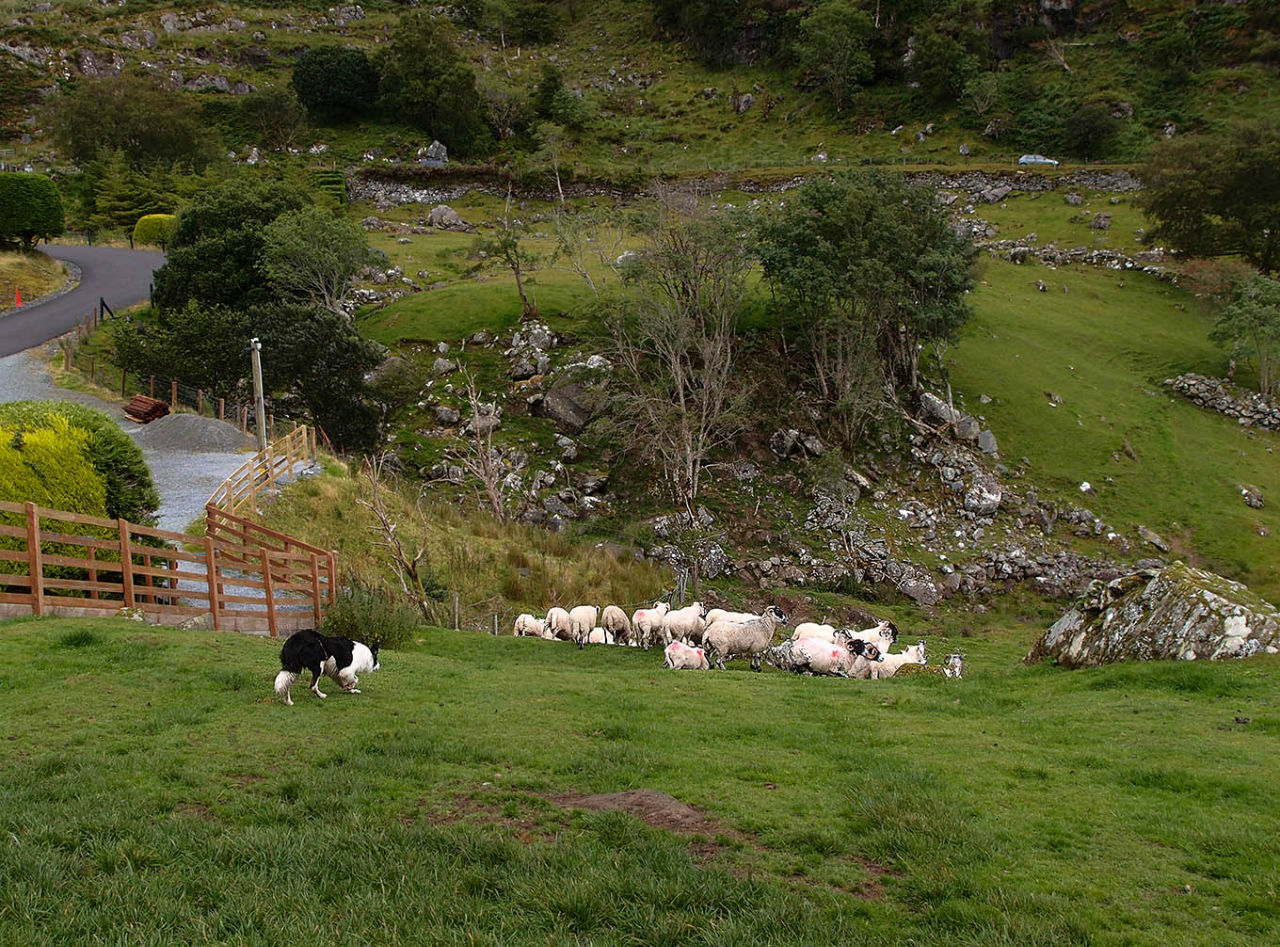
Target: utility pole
(259, 407)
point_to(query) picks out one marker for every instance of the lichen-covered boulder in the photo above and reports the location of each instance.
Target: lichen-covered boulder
(1175, 613)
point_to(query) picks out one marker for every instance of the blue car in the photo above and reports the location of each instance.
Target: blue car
(1037, 159)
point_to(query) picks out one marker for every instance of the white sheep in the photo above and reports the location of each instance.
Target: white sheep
(600, 636)
(582, 618)
(557, 622)
(865, 660)
(954, 665)
(614, 620)
(808, 629)
(892, 662)
(527, 625)
(882, 635)
(820, 656)
(647, 623)
(680, 656)
(728, 638)
(684, 624)
(718, 614)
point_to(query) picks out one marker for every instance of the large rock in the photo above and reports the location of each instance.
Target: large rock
(984, 494)
(444, 217)
(1173, 613)
(567, 404)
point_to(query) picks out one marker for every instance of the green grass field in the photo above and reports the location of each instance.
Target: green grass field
(152, 790)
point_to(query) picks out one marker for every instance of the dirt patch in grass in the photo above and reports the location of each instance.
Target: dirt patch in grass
(193, 810)
(649, 806)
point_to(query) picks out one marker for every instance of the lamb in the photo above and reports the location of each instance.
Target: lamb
(892, 662)
(808, 629)
(647, 623)
(726, 638)
(527, 625)
(955, 663)
(582, 618)
(685, 624)
(557, 622)
(600, 636)
(614, 620)
(680, 656)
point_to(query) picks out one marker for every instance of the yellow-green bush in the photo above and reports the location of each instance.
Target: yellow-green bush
(155, 230)
(50, 467)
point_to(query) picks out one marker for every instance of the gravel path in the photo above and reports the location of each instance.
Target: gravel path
(189, 456)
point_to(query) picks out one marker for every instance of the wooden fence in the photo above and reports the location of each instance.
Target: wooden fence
(57, 563)
(258, 475)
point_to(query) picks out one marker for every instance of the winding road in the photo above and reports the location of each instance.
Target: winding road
(121, 277)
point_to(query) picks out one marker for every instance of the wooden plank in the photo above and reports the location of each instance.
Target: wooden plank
(62, 516)
(211, 578)
(316, 605)
(17, 532)
(126, 560)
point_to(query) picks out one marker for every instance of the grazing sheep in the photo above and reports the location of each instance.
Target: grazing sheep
(685, 624)
(892, 662)
(528, 626)
(863, 662)
(680, 656)
(600, 636)
(819, 656)
(718, 614)
(955, 663)
(647, 623)
(808, 629)
(582, 618)
(614, 620)
(557, 622)
(726, 638)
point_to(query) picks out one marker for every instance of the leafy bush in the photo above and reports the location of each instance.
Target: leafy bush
(335, 83)
(30, 208)
(371, 612)
(49, 465)
(116, 461)
(155, 230)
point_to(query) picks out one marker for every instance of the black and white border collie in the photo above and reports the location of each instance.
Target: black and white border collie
(339, 658)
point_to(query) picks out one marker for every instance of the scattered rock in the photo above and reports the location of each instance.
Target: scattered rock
(1152, 538)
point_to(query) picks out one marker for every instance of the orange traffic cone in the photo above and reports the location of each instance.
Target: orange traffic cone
(17, 297)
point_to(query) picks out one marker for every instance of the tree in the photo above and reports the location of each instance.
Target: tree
(1252, 322)
(150, 124)
(425, 80)
(590, 241)
(866, 270)
(939, 66)
(117, 195)
(335, 83)
(551, 145)
(30, 209)
(311, 255)
(273, 115)
(216, 256)
(833, 48)
(708, 27)
(675, 343)
(202, 345)
(982, 92)
(1218, 194)
(1089, 131)
(506, 247)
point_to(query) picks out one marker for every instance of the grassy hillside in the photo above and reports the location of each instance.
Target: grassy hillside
(163, 794)
(31, 274)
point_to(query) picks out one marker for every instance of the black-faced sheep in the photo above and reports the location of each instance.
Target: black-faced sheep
(725, 639)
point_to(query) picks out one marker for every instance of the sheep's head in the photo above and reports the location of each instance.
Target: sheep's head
(856, 646)
(892, 629)
(777, 614)
(921, 657)
(872, 653)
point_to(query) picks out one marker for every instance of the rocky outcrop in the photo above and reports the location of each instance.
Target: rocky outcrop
(1175, 613)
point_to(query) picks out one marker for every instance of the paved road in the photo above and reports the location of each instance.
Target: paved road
(121, 277)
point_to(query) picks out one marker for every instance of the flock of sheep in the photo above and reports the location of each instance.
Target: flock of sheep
(695, 638)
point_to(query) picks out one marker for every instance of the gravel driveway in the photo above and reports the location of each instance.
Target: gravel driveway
(189, 456)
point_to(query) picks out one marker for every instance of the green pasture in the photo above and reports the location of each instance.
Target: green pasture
(154, 791)
(1103, 342)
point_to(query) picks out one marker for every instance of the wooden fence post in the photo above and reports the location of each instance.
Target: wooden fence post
(222, 409)
(153, 386)
(455, 609)
(211, 566)
(35, 560)
(173, 395)
(315, 589)
(270, 593)
(199, 401)
(93, 369)
(126, 562)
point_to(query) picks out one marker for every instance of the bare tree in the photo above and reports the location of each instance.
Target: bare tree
(482, 460)
(591, 242)
(1055, 51)
(676, 342)
(412, 568)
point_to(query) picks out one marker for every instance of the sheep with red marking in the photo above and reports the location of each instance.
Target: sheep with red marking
(680, 656)
(647, 623)
(684, 624)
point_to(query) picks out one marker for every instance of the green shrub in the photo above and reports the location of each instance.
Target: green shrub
(335, 83)
(30, 209)
(371, 612)
(115, 459)
(49, 465)
(155, 230)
